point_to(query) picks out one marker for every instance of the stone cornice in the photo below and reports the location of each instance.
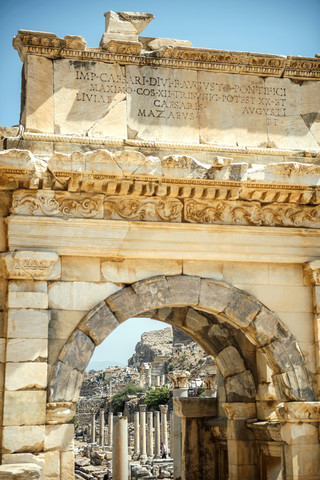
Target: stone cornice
(51, 46)
(193, 147)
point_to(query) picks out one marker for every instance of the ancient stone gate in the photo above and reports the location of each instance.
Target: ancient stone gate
(152, 178)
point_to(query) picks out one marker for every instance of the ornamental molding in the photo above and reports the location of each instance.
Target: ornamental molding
(29, 265)
(158, 144)
(74, 47)
(251, 213)
(166, 208)
(58, 204)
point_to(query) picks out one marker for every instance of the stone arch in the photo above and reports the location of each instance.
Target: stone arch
(207, 310)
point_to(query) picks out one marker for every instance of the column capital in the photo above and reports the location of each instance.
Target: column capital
(163, 408)
(179, 378)
(312, 273)
(299, 411)
(240, 411)
(143, 408)
(210, 381)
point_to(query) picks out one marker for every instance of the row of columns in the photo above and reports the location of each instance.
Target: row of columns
(147, 440)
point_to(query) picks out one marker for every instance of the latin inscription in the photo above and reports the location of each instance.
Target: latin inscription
(167, 97)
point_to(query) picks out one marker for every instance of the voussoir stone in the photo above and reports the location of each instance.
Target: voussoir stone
(266, 327)
(77, 351)
(183, 290)
(125, 304)
(153, 293)
(219, 337)
(214, 296)
(65, 383)
(194, 321)
(230, 362)
(99, 323)
(284, 354)
(242, 308)
(240, 387)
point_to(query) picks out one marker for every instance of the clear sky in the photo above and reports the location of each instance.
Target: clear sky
(281, 27)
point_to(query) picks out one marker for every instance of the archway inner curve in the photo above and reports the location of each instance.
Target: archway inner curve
(209, 311)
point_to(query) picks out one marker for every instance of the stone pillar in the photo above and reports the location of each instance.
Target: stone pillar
(120, 449)
(300, 432)
(171, 432)
(210, 382)
(110, 428)
(179, 380)
(312, 277)
(150, 434)
(93, 428)
(149, 377)
(143, 444)
(157, 383)
(242, 462)
(157, 451)
(164, 424)
(101, 430)
(163, 380)
(136, 435)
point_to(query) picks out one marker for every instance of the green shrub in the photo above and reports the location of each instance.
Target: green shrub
(119, 399)
(159, 396)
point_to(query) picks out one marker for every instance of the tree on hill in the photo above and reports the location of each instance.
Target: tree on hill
(159, 396)
(119, 399)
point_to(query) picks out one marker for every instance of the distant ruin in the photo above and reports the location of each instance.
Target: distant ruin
(150, 178)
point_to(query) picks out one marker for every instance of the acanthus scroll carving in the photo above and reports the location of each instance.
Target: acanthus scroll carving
(143, 208)
(251, 213)
(59, 204)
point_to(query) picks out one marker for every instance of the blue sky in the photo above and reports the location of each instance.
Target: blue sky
(282, 27)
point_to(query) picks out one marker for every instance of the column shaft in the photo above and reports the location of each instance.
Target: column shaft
(120, 449)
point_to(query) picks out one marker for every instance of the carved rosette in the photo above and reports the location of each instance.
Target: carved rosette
(27, 265)
(179, 378)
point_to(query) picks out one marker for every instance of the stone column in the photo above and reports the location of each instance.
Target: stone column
(149, 377)
(101, 430)
(300, 432)
(164, 424)
(163, 380)
(157, 382)
(136, 435)
(242, 462)
(150, 434)
(171, 432)
(110, 428)
(93, 428)
(143, 444)
(157, 451)
(312, 277)
(179, 380)
(120, 449)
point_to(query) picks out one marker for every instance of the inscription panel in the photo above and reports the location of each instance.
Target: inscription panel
(89, 98)
(99, 99)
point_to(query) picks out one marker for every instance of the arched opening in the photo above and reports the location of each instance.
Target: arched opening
(229, 324)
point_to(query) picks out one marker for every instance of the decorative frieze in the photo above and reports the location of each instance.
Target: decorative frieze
(143, 208)
(251, 213)
(58, 204)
